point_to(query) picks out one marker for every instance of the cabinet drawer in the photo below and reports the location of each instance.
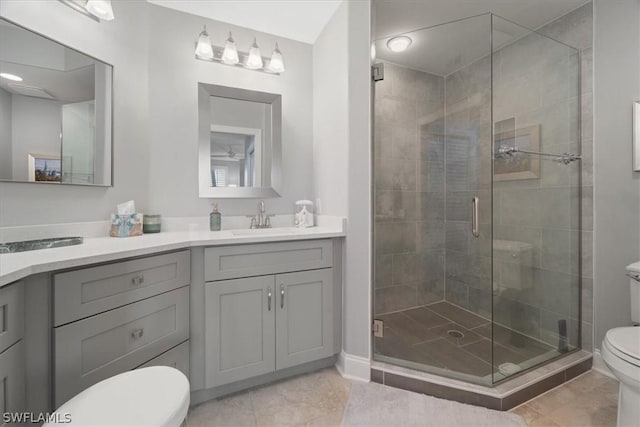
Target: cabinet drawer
(177, 357)
(12, 380)
(82, 293)
(11, 314)
(92, 349)
(266, 258)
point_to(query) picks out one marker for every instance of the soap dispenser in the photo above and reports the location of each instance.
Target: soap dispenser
(215, 219)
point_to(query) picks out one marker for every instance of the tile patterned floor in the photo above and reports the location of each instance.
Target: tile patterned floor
(590, 400)
(421, 335)
(319, 399)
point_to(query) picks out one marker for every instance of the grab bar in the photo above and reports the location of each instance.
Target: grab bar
(474, 217)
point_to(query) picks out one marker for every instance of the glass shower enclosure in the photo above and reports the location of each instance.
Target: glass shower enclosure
(476, 165)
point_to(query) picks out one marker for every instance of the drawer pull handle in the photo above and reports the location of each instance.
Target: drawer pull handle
(269, 299)
(137, 280)
(137, 334)
(281, 296)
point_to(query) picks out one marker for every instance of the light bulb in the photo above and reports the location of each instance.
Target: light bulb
(254, 62)
(203, 48)
(276, 64)
(230, 53)
(100, 8)
(399, 44)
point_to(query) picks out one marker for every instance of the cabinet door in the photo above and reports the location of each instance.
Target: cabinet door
(240, 329)
(12, 380)
(304, 319)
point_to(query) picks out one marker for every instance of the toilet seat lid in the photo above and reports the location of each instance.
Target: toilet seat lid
(153, 396)
(626, 340)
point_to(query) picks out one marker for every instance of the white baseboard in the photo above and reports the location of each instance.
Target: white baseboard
(600, 366)
(354, 367)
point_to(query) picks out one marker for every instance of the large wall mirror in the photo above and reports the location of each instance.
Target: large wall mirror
(55, 112)
(239, 146)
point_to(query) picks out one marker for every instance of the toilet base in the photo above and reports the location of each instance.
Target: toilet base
(628, 408)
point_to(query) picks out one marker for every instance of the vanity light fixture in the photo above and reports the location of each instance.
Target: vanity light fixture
(11, 77)
(276, 63)
(100, 8)
(229, 55)
(254, 62)
(399, 43)
(94, 9)
(203, 48)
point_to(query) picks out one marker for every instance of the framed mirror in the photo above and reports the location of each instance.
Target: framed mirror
(239, 149)
(55, 111)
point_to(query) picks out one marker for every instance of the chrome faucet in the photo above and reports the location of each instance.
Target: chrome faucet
(261, 220)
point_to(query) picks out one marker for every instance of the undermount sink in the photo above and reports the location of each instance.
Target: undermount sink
(32, 245)
(259, 231)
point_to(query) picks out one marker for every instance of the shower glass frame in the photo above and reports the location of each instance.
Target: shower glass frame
(496, 295)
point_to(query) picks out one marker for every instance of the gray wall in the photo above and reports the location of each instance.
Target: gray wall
(40, 136)
(357, 287)
(342, 157)
(123, 43)
(616, 187)
(5, 135)
(330, 117)
(173, 112)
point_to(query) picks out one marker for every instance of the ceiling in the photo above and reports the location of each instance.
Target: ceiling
(443, 49)
(397, 16)
(301, 20)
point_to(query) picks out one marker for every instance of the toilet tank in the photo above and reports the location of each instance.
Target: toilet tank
(633, 271)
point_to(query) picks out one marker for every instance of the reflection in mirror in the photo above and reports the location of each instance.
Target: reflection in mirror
(55, 111)
(239, 156)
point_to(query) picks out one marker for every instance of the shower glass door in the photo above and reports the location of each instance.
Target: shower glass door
(536, 198)
(476, 200)
(433, 203)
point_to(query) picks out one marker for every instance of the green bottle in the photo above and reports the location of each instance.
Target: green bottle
(215, 219)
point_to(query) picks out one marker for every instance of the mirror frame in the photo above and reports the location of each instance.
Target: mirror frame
(111, 110)
(271, 153)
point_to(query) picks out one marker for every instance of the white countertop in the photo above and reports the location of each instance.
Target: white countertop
(15, 266)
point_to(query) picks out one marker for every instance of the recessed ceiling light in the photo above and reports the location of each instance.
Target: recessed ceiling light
(11, 77)
(399, 43)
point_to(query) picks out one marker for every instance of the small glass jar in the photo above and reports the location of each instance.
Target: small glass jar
(151, 224)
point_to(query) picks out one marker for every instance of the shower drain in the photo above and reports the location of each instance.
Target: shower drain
(455, 334)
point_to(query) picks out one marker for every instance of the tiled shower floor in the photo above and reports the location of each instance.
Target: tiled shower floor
(422, 336)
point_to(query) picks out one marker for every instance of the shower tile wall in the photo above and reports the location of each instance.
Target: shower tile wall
(532, 86)
(409, 189)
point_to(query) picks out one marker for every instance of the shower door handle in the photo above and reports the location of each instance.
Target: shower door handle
(474, 217)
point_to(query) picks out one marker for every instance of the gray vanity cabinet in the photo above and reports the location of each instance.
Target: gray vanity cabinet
(280, 315)
(241, 338)
(12, 368)
(111, 318)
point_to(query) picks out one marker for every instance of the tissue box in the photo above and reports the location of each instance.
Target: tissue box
(126, 225)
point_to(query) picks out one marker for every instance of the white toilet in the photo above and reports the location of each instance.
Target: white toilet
(155, 396)
(621, 353)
